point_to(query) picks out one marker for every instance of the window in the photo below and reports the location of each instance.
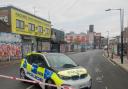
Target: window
(30, 59)
(40, 61)
(19, 24)
(60, 60)
(47, 31)
(40, 29)
(31, 26)
(36, 59)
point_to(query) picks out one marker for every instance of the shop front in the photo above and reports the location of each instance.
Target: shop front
(43, 45)
(29, 44)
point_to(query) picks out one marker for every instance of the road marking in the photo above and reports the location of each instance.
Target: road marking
(104, 56)
(109, 61)
(30, 87)
(106, 87)
(99, 79)
(102, 76)
(97, 70)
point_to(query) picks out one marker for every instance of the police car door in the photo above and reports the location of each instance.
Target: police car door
(42, 65)
(34, 65)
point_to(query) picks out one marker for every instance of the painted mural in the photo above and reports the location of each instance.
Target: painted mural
(10, 50)
(10, 45)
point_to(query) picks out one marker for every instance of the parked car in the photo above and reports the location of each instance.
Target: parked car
(54, 68)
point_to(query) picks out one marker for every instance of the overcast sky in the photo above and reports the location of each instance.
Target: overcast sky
(77, 15)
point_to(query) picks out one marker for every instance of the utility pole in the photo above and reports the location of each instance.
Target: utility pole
(121, 27)
(108, 43)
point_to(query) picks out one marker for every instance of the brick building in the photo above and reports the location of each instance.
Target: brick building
(77, 42)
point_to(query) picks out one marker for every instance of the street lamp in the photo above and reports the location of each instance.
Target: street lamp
(108, 43)
(122, 27)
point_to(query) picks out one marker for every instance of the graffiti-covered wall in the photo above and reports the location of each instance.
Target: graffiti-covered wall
(12, 50)
(10, 46)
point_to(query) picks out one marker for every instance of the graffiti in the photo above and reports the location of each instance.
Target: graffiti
(10, 46)
(10, 50)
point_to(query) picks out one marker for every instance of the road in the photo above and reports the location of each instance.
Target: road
(105, 74)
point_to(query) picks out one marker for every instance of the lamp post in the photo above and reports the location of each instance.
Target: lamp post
(122, 27)
(108, 43)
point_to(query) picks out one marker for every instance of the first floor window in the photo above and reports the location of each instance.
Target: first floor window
(19, 24)
(40, 29)
(47, 30)
(31, 27)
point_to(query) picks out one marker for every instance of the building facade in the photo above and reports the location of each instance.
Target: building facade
(90, 35)
(97, 40)
(35, 32)
(57, 41)
(10, 46)
(76, 42)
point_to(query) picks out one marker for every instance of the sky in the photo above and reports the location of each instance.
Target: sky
(77, 15)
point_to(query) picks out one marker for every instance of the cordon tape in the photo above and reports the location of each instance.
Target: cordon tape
(31, 81)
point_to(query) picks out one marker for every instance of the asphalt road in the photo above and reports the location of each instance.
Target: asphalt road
(105, 74)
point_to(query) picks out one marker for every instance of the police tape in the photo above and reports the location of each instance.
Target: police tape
(34, 82)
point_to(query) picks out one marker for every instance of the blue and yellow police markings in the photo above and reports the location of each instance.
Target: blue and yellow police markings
(40, 73)
(47, 74)
(25, 64)
(37, 72)
(34, 76)
(34, 68)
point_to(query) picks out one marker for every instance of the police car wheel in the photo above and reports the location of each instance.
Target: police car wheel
(50, 82)
(22, 74)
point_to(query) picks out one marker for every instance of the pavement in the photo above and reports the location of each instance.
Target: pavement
(116, 59)
(9, 62)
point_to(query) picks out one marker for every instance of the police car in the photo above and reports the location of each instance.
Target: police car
(54, 68)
